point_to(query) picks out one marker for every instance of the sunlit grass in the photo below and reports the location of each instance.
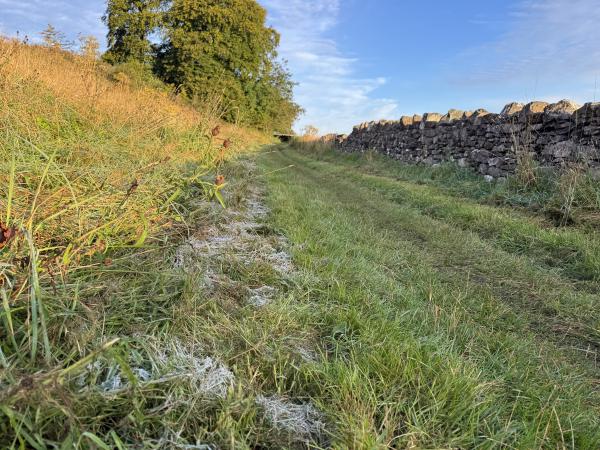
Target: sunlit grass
(436, 332)
(98, 179)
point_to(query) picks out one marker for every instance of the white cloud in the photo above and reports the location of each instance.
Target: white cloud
(546, 41)
(72, 17)
(334, 97)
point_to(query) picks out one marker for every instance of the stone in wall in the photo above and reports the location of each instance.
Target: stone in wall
(589, 111)
(562, 107)
(406, 121)
(452, 115)
(511, 109)
(479, 113)
(432, 117)
(531, 112)
(534, 107)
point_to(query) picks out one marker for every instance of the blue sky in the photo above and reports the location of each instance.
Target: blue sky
(359, 60)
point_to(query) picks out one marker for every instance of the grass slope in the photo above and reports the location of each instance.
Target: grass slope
(441, 322)
(100, 179)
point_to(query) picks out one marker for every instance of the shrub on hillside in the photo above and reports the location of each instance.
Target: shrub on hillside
(136, 74)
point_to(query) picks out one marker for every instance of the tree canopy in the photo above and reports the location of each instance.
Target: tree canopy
(208, 49)
(54, 38)
(130, 23)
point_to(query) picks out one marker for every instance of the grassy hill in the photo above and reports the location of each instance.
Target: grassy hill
(77, 137)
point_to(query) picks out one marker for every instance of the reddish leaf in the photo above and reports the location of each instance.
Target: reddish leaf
(6, 234)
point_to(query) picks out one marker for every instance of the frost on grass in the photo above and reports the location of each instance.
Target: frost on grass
(261, 296)
(238, 236)
(242, 228)
(302, 421)
(113, 383)
(308, 355)
(281, 262)
(142, 374)
(211, 377)
(163, 362)
(256, 208)
(108, 377)
(215, 243)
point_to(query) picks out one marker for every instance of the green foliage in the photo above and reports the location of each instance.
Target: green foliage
(270, 100)
(210, 49)
(137, 75)
(225, 49)
(130, 23)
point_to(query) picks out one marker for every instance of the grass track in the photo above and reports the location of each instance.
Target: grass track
(444, 323)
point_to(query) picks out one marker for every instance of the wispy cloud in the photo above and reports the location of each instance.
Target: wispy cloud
(334, 97)
(73, 17)
(546, 41)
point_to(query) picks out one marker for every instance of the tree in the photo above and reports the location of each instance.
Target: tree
(53, 38)
(310, 131)
(275, 107)
(223, 47)
(209, 50)
(130, 23)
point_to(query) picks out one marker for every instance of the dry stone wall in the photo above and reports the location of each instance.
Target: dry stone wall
(556, 135)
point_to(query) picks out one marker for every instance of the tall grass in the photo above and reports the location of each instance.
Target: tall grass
(312, 144)
(92, 168)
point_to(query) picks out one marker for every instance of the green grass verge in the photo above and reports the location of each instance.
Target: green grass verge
(432, 335)
(145, 354)
(463, 198)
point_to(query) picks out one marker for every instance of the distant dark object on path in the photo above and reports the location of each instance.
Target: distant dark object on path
(284, 137)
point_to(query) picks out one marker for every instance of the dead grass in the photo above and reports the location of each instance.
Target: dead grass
(84, 85)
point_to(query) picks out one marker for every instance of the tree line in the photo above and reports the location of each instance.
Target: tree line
(207, 49)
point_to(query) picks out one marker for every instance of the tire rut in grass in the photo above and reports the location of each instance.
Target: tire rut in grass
(530, 292)
(569, 253)
(246, 264)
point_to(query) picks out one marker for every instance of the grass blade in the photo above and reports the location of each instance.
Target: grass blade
(11, 189)
(7, 316)
(38, 311)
